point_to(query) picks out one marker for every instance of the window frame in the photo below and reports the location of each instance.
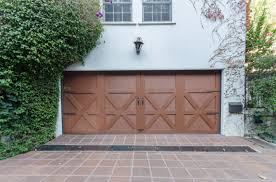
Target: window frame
(143, 12)
(113, 12)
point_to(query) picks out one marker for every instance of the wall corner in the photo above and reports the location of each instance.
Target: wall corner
(59, 114)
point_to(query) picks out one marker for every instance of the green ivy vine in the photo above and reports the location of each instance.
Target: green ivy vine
(39, 39)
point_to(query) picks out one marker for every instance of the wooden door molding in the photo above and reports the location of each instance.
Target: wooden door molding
(209, 106)
(199, 111)
(159, 112)
(81, 111)
(117, 110)
(120, 111)
(140, 123)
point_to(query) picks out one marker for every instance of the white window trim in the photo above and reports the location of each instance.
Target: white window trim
(157, 22)
(116, 22)
(119, 23)
(140, 23)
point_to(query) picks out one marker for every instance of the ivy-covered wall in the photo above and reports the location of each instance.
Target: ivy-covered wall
(39, 39)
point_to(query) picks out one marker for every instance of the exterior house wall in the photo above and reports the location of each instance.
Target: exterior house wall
(186, 43)
(183, 45)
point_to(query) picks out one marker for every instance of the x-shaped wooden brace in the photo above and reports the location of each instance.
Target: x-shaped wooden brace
(199, 111)
(81, 111)
(160, 112)
(120, 111)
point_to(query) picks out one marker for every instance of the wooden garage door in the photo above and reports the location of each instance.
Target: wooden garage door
(149, 102)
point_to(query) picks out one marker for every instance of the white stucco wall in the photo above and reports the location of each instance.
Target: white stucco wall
(182, 44)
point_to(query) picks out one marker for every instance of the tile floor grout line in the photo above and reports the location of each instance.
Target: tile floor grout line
(113, 141)
(177, 159)
(63, 166)
(147, 154)
(78, 166)
(72, 138)
(92, 139)
(113, 168)
(132, 166)
(167, 166)
(124, 140)
(188, 170)
(97, 165)
(80, 142)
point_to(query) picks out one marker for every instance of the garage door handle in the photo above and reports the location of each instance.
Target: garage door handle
(138, 101)
(142, 100)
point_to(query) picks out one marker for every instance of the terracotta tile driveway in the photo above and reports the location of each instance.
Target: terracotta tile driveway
(106, 166)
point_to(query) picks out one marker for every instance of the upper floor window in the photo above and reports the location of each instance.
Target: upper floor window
(117, 10)
(157, 10)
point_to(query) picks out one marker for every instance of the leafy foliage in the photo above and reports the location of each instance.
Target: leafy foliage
(39, 39)
(263, 92)
(260, 34)
(261, 70)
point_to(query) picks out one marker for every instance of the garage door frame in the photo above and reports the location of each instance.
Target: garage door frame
(219, 123)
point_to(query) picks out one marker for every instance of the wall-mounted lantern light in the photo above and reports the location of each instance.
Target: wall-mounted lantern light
(138, 45)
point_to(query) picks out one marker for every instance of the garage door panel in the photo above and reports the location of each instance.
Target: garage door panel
(118, 83)
(159, 101)
(149, 109)
(130, 109)
(70, 107)
(158, 124)
(83, 82)
(68, 121)
(79, 125)
(199, 125)
(194, 124)
(120, 102)
(200, 81)
(213, 106)
(200, 101)
(172, 119)
(171, 108)
(200, 98)
(121, 125)
(81, 102)
(117, 101)
(159, 81)
(152, 122)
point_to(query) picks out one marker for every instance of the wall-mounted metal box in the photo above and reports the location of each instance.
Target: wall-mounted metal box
(235, 107)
